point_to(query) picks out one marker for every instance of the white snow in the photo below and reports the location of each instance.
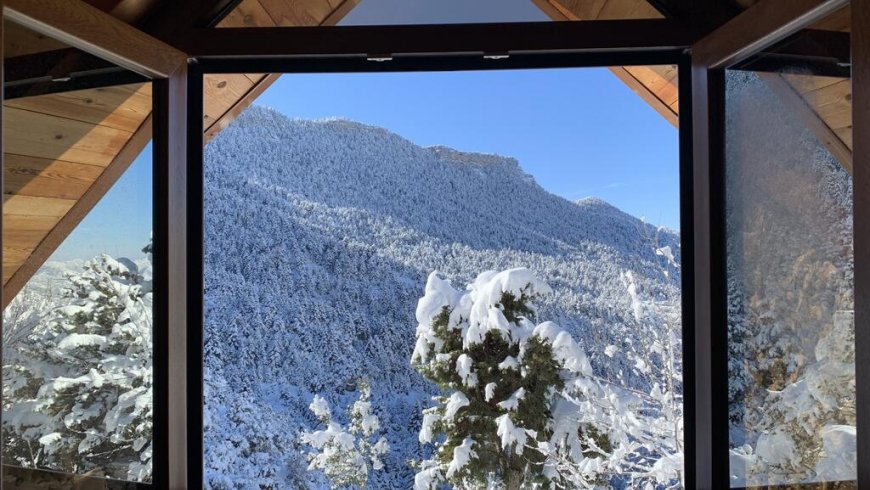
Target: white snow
(513, 401)
(462, 454)
(456, 401)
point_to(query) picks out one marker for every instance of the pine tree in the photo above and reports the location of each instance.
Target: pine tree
(78, 394)
(499, 422)
(346, 456)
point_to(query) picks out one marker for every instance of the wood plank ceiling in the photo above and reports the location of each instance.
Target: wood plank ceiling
(64, 151)
(823, 104)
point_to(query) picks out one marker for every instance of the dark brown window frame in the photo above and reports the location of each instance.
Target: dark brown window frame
(702, 59)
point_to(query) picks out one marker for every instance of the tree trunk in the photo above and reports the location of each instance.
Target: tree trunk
(514, 480)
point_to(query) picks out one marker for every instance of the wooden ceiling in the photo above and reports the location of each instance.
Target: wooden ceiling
(823, 104)
(657, 85)
(65, 150)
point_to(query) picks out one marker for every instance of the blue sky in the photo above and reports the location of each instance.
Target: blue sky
(442, 12)
(579, 132)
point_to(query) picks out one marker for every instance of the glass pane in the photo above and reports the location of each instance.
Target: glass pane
(256, 13)
(790, 265)
(391, 303)
(77, 275)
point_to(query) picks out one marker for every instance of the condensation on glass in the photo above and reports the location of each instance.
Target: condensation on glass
(790, 265)
(77, 318)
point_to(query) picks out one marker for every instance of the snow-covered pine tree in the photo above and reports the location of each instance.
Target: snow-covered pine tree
(497, 425)
(77, 389)
(346, 456)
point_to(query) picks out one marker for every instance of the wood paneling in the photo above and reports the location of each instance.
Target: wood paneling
(656, 85)
(54, 137)
(64, 151)
(123, 107)
(40, 177)
(58, 148)
(227, 95)
(221, 93)
(249, 13)
(71, 216)
(598, 9)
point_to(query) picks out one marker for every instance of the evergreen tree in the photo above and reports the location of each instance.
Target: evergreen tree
(499, 422)
(347, 455)
(78, 388)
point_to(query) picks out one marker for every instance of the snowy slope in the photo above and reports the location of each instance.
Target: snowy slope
(319, 238)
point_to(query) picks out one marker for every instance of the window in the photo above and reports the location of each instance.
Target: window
(390, 303)
(790, 266)
(77, 270)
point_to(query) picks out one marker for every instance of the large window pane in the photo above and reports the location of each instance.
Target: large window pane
(368, 293)
(77, 269)
(790, 268)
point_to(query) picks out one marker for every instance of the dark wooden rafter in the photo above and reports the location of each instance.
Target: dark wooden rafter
(61, 71)
(821, 53)
(748, 34)
(174, 18)
(85, 27)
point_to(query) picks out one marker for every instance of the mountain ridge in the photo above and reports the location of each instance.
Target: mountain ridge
(319, 238)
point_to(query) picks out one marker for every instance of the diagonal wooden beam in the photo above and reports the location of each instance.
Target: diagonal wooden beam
(669, 111)
(79, 210)
(757, 28)
(809, 118)
(267, 80)
(80, 25)
(558, 11)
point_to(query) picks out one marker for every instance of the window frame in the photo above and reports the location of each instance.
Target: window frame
(177, 74)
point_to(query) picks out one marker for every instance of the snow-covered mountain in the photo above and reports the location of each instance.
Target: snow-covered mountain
(319, 239)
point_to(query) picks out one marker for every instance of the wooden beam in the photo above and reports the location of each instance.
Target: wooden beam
(640, 35)
(669, 113)
(82, 26)
(241, 104)
(61, 70)
(79, 210)
(759, 27)
(340, 12)
(554, 10)
(709, 369)
(175, 17)
(267, 80)
(861, 220)
(806, 115)
(171, 422)
(559, 12)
